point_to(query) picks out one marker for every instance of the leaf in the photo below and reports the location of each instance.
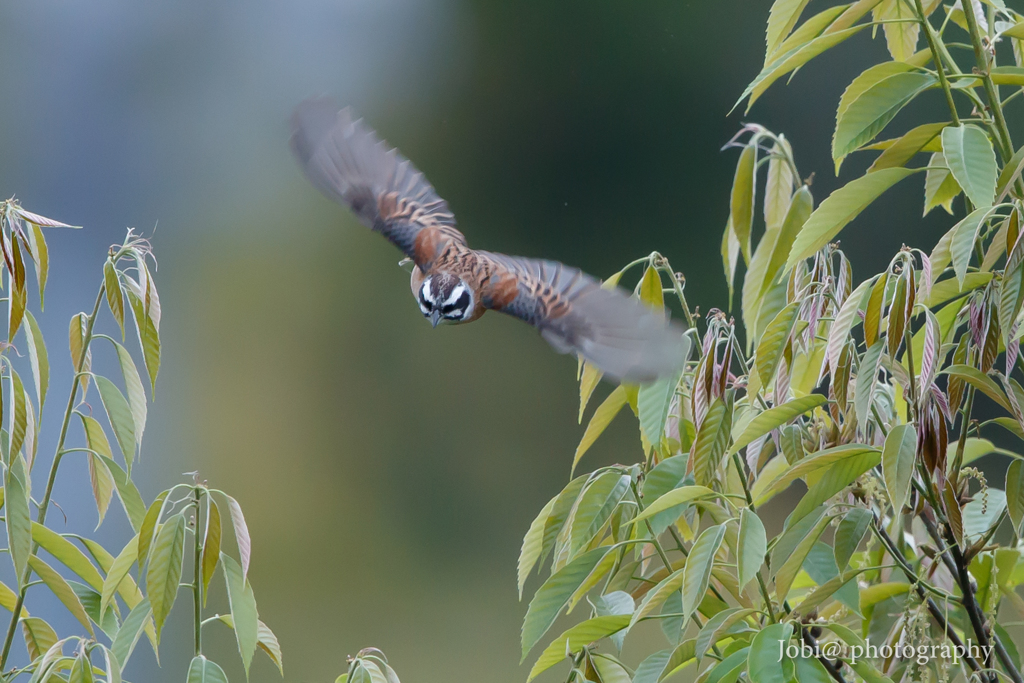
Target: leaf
(901, 33)
(267, 642)
(849, 535)
(981, 382)
(241, 534)
(730, 256)
(657, 596)
(841, 207)
(717, 626)
(575, 638)
(66, 553)
(595, 507)
(590, 376)
(781, 20)
(787, 565)
(833, 480)
(793, 59)
(136, 392)
(1015, 493)
(599, 421)
(744, 187)
(18, 424)
(533, 542)
(553, 595)
(118, 571)
(981, 513)
(39, 636)
(778, 192)
(202, 670)
(120, 415)
(40, 254)
(898, 458)
(751, 547)
(813, 464)
(102, 485)
(60, 588)
(212, 545)
(683, 494)
(115, 298)
(149, 336)
(906, 147)
(126, 491)
(763, 665)
(940, 187)
(697, 572)
(37, 357)
(18, 518)
(776, 417)
(653, 401)
(971, 160)
(164, 574)
(844, 322)
(965, 233)
(878, 95)
(128, 635)
(712, 440)
(243, 609)
(149, 525)
(773, 341)
(867, 380)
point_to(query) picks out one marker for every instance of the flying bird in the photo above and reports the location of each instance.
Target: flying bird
(453, 283)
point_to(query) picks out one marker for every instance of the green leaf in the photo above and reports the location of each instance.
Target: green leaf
(898, 458)
(202, 670)
(128, 635)
(595, 507)
(1015, 493)
(553, 595)
(136, 392)
(18, 518)
(906, 147)
(149, 524)
(653, 401)
(599, 421)
(901, 30)
(37, 357)
(39, 636)
(699, 563)
(781, 20)
(787, 566)
(849, 535)
(658, 595)
(712, 440)
(243, 609)
(773, 342)
(971, 160)
(833, 480)
(118, 571)
(40, 254)
(683, 494)
(267, 642)
(60, 588)
(126, 491)
(717, 626)
(845, 320)
(211, 546)
(149, 337)
(19, 416)
(120, 415)
(575, 638)
(940, 187)
(763, 664)
(793, 59)
(867, 380)
(841, 207)
(964, 235)
(590, 376)
(744, 186)
(776, 417)
(751, 547)
(241, 530)
(164, 574)
(727, 670)
(69, 555)
(981, 382)
(115, 298)
(533, 542)
(814, 464)
(890, 86)
(981, 513)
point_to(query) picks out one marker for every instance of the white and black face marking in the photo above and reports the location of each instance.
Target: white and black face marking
(458, 304)
(445, 297)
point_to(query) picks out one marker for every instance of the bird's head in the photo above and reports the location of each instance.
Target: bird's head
(445, 298)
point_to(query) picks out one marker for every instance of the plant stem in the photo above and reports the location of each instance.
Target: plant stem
(985, 68)
(197, 579)
(58, 454)
(929, 32)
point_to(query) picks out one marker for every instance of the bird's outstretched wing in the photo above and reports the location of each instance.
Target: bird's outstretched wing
(615, 332)
(346, 160)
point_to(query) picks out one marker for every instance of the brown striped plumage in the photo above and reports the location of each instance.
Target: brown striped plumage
(454, 283)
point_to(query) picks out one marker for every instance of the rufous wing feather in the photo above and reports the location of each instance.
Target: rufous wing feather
(621, 336)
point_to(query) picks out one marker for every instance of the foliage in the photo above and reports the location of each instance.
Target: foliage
(863, 389)
(117, 595)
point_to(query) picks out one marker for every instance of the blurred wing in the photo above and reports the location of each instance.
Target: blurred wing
(612, 330)
(346, 160)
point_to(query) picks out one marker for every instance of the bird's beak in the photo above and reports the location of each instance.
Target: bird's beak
(435, 318)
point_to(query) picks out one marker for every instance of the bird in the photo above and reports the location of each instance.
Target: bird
(455, 284)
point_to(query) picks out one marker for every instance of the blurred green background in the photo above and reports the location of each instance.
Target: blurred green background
(388, 471)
